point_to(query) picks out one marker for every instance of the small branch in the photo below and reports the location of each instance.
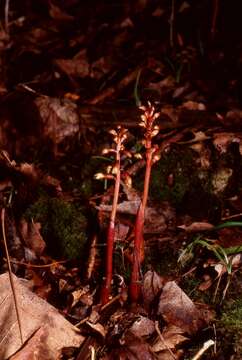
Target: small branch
(172, 20)
(205, 347)
(163, 340)
(214, 18)
(147, 122)
(10, 275)
(6, 19)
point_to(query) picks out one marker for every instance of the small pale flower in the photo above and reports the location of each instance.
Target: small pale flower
(113, 132)
(109, 169)
(105, 151)
(99, 176)
(115, 170)
(155, 132)
(138, 156)
(142, 124)
(156, 158)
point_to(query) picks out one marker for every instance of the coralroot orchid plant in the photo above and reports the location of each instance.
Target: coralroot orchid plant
(151, 130)
(119, 136)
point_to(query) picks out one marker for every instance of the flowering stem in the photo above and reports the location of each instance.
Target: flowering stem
(150, 130)
(110, 236)
(120, 136)
(135, 286)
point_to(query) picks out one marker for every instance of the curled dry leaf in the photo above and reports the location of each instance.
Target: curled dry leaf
(172, 335)
(30, 232)
(82, 295)
(220, 179)
(78, 66)
(35, 348)
(132, 348)
(178, 309)
(193, 105)
(97, 328)
(197, 226)
(143, 326)
(222, 140)
(152, 285)
(35, 313)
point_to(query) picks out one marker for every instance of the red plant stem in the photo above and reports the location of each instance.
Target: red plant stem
(135, 285)
(110, 236)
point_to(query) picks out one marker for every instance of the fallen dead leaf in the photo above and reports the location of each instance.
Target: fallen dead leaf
(172, 335)
(35, 348)
(97, 328)
(78, 66)
(152, 285)
(143, 326)
(35, 313)
(133, 348)
(220, 179)
(30, 232)
(222, 140)
(197, 226)
(192, 105)
(178, 309)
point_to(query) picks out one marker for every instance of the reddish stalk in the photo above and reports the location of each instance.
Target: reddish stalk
(119, 137)
(151, 130)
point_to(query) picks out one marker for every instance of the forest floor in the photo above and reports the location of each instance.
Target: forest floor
(80, 86)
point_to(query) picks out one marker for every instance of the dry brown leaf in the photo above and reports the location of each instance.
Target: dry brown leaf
(36, 347)
(100, 67)
(97, 327)
(166, 355)
(30, 232)
(192, 105)
(197, 226)
(220, 179)
(172, 336)
(59, 118)
(224, 139)
(58, 14)
(152, 285)
(35, 313)
(78, 295)
(143, 326)
(198, 137)
(178, 309)
(133, 348)
(205, 285)
(78, 66)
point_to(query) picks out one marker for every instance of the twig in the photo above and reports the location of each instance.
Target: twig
(163, 340)
(205, 347)
(10, 275)
(172, 19)
(6, 12)
(215, 339)
(28, 265)
(231, 217)
(214, 18)
(92, 349)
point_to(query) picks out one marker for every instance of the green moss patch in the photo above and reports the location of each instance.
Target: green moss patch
(63, 226)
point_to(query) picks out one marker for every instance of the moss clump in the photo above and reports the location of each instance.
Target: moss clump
(63, 226)
(231, 327)
(179, 163)
(232, 316)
